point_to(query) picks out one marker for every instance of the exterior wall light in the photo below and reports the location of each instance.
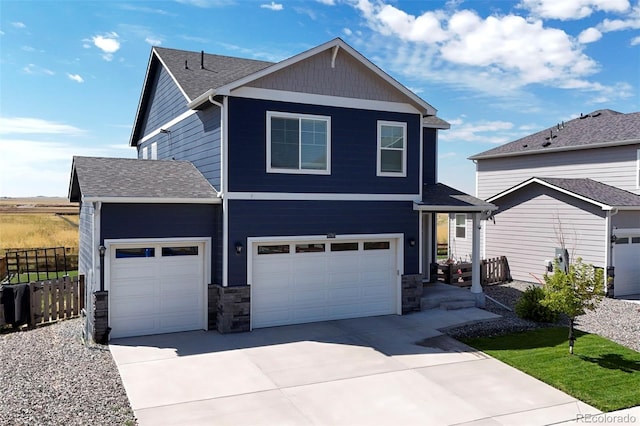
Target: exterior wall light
(412, 242)
(238, 248)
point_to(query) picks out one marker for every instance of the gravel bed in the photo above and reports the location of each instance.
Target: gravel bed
(615, 319)
(48, 376)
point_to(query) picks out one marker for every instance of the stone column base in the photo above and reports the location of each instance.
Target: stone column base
(99, 324)
(411, 293)
(233, 308)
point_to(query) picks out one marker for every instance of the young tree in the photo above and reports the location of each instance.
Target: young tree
(573, 292)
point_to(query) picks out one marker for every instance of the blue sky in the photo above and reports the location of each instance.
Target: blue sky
(71, 72)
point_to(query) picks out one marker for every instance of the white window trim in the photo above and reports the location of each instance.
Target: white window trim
(154, 151)
(270, 169)
(379, 171)
(455, 227)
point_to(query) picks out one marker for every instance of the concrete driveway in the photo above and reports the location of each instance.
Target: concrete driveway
(366, 371)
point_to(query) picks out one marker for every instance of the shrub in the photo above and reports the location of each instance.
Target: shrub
(529, 306)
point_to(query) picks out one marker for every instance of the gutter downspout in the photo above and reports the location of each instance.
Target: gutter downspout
(608, 256)
(222, 192)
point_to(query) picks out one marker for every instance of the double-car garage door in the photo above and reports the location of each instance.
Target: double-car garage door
(305, 281)
(156, 288)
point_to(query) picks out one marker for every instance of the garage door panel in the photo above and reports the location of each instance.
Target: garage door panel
(307, 287)
(627, 264)
(158, 294)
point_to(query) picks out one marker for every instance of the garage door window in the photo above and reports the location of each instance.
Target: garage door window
(274, 249)
(309, 248)
(344, 247)
(180, 251)
(124, 253)
(622, 240)
(378, 245)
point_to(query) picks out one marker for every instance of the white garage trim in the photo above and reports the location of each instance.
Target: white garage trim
(398, 240)
(203, 242)
(627, 251)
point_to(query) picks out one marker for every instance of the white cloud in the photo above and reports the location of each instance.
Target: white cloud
(635, 41)
(495, 132)
(495, 55)
(76, 77)
(327, 2)
(30, 125)
(108, 43)
(154, 41)
(572, 9)
(206, 3)
(589, 35)
(272, 6)
(629, 22)
(447, 155)
(18, 25)
(347, 31)
(37, 70)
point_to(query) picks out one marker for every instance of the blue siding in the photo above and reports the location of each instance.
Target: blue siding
(429, 158)
(291, 218)
(165, 221)
(353, 151)
(165, 101)
(195, 139)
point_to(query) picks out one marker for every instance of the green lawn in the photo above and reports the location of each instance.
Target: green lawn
(601, 373)
(24, 278)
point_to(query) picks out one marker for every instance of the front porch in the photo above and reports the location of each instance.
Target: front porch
(440, 198)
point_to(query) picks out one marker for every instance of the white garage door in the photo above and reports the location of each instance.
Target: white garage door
(298, 282)
(627, 264)
(156, 288)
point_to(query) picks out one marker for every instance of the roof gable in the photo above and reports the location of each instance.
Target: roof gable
(597, 129)
(125, 179)
(605, 196)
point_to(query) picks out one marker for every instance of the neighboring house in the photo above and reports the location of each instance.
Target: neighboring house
(577, 181)
(282, 193)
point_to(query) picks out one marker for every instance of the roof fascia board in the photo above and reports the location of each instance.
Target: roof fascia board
(201, 99)
(551, 186)
(327, 100)
(559, 149)
(154, 54)
(452, 209)
(226, 89)
(151, 200)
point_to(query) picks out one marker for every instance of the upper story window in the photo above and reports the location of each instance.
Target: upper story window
(638, 170)
(154, 151)
(392, 149)
(145, 153)
(461, 225)
(298, 143)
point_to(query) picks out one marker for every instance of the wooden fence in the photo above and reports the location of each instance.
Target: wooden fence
(4, 270)
(54, 300)
(492, 271)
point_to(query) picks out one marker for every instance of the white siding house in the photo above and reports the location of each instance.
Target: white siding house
(578, 182)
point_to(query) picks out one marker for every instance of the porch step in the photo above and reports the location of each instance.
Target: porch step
(447, 297)
(458, 304)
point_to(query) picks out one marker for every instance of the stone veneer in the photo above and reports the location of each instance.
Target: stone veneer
(411, 293)
(99, 324)
(229, 308)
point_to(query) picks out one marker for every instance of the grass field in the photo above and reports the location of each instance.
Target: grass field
(601, 373)
(37, 223)
(443, 228)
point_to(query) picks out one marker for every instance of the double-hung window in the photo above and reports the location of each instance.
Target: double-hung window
(298, 143)
(461, 225)
(392, 149)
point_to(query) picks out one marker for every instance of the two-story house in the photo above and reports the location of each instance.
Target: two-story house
(575, 185)
(264, 194)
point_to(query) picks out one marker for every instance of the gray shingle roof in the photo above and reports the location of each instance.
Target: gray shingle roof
(596, 191)
(218, 70)
(600, 127)
(99, 178)
(440, 197)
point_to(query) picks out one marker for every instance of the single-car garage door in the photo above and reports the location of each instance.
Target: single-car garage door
(156, 288)
(626, 260)
(307, 281)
